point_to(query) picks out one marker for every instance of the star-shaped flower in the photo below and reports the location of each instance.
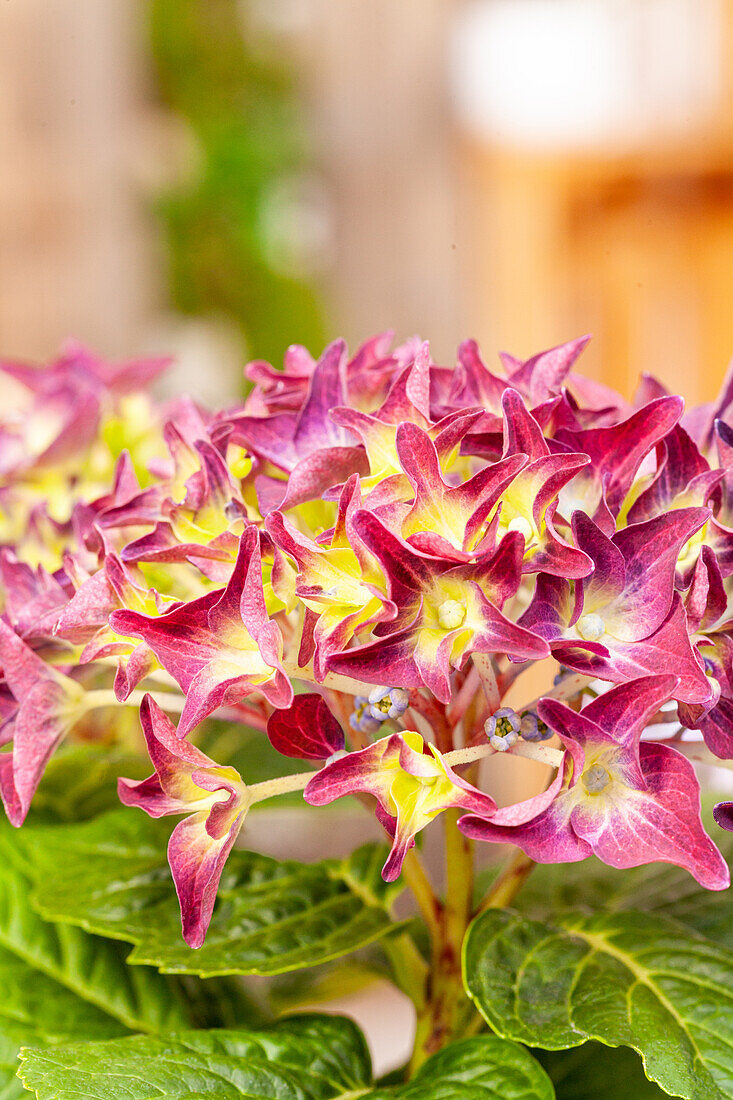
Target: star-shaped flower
(411, 783)
(215, 801)
(625, 619)
(220, 647)
(445, 611)
(630, 802)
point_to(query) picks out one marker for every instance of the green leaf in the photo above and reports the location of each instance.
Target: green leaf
(221, 1002)
(110, 877)
(57, 983)
(595, 1072)
(622, 978)
(657, 888)
(484, 1068)
(302, 1058)
(80, 782)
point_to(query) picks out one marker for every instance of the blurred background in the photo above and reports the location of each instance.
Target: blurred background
(222, 179)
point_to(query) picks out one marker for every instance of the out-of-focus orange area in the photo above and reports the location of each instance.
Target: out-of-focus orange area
(521, 171)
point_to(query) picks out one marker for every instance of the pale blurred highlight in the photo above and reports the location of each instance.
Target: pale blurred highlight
(521, 171)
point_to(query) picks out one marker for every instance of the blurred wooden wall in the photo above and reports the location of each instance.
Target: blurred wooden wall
(633, 242)
(434, 229)
(77, 249)
(377, 82)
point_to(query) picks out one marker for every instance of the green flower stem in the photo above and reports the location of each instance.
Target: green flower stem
(409, 969)
(443, 1013)
(544, 754)
(284, 784)
(270, 788)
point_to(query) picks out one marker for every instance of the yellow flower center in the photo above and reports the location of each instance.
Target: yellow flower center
(591, 627)
(519, 523)
(595, 779)
(451, 614)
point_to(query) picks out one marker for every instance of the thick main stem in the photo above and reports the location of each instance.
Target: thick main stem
(440, 1019)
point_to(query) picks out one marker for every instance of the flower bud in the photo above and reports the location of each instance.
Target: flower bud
(362, 718)
(503, 723)
(387, 702)
(501, 744)
(532, 728)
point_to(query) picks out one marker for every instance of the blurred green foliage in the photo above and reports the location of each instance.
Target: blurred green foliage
(241, 106)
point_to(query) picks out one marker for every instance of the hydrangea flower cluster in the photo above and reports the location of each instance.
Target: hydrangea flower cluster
(360, 562)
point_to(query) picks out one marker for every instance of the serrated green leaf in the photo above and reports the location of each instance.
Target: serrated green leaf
(58, 983)
(80, 782)
(110, 877)
(301, 1058)
(657, 888)
(36, 1009)
(484, 1068)
(595, 1072)
(623, 978)
(89, 967)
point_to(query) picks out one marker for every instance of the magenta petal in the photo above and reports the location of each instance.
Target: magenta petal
(11, 802)
(667, 652)
(389, 660)
(306, 730)
(200, 643)
(522, 433)
(706, 600)
(33, 598)
(473, 383)
(522, 812)
(320, 471)
(174, 788)
(650, 551)
(547, 838)
(47, 708)
(358, 771)
(723, 814)
(410, 391)
(627, 709)
(617, 452)
(661, 823)
(609, 575)
(131, 671)
(186, 780)
(681, 470)
(40, 727)
(197, 861)
(717, 728)
(543, 375)
(406, 568)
